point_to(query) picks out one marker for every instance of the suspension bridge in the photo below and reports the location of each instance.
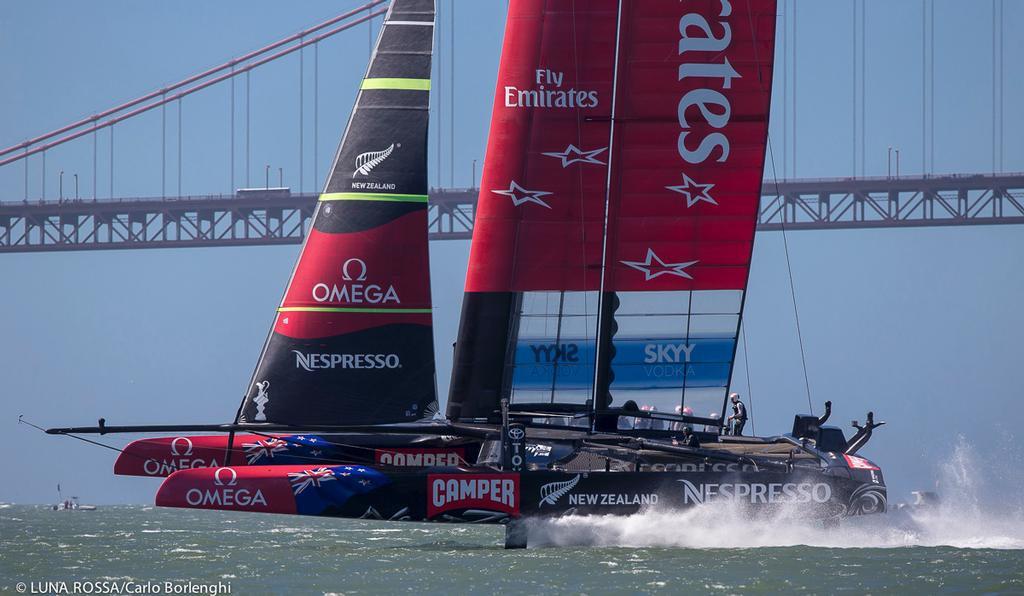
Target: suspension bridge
(70, 217)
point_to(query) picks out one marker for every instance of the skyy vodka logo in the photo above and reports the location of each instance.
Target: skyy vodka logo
(353, 290)
(700, 41)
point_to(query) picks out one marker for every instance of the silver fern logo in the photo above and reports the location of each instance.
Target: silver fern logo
(551, 492)
(365, 162)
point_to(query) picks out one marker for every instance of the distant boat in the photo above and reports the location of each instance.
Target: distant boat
(70, 504)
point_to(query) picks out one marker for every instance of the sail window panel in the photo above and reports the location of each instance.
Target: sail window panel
(705, 402)
(547, 396)
(707, 374)
(553, 328)
(652, 303)
(640, 326)
(714, 325)
(648, 376)
(554, 303)
(717, 301)
(546, 351)
(665, 401)
(557, 377)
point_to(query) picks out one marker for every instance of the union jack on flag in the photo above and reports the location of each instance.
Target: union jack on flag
(302, 480)
(254, 452)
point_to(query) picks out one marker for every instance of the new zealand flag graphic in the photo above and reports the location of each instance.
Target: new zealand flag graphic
(323, 490)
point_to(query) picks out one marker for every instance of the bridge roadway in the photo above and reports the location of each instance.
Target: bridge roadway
(276, 216)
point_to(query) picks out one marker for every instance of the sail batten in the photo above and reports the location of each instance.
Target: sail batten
(352, 341)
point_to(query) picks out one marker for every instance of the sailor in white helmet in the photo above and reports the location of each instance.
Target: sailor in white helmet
(709, 428)
(648, 423)
(739, 414)
(682, 411)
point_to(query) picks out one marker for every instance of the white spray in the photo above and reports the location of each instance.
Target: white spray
(967, 517)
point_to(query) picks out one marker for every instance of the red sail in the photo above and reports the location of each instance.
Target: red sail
(626, 151)
(689, 144)
(541, 211)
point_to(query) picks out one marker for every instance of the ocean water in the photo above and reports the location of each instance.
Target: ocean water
(962, 546)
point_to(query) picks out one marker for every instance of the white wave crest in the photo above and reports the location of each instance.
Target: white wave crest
(967, 517)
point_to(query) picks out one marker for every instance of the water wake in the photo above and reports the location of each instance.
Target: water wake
(967, 517)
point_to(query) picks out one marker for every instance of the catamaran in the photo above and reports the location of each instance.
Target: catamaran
(602, 307)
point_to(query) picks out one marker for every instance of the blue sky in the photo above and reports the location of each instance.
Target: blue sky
(919, 324)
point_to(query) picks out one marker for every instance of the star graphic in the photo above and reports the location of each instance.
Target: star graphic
(573, 154)
(346, 473)
(688, 188)
(364, 482)
(316, 453)
(653, 266)
(520, 195)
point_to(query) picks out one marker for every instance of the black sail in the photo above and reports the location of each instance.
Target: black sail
(352, 340)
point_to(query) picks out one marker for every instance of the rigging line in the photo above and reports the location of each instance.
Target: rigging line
(579, 178)
(440, 83)
(607, 203)
(789, 269)
(750, 387)
(863, 84)
(452, 96)
(21, 420)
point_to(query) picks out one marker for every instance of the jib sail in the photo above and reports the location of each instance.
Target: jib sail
(617, 207)
(352, 340)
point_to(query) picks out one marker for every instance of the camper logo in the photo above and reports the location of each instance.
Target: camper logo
(419, 457)
(489, 492)
(365, 162)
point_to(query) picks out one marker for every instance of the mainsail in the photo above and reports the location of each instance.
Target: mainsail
(352, 340)
(617, 206)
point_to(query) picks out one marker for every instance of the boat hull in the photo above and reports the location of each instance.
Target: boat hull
(475, 495)
(162, 456)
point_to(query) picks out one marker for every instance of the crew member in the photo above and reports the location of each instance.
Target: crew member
(713, 428)
(739, 414)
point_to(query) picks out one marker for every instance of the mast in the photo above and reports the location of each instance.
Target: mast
(600, 397)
